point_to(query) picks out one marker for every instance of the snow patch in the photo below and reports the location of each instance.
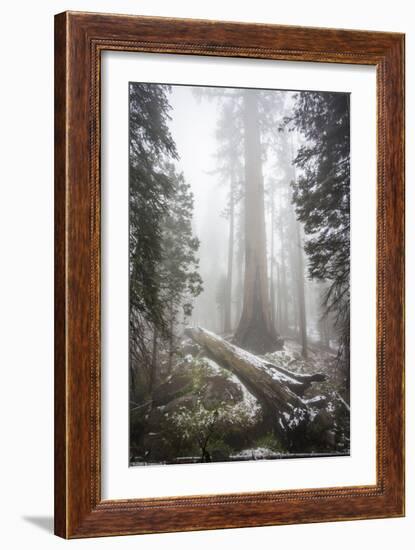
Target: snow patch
(251, 404)
(255, 454)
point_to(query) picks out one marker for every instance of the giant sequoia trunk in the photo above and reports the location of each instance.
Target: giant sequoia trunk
(280, 394)
(272, 262)
(282, 274)
(255, 330)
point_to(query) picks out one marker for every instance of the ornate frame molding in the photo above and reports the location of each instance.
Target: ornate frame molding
(79, 40)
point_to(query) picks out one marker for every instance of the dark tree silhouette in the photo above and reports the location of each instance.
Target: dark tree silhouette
(177, 275)
(322, 198)
(162, 249)
(150, 190)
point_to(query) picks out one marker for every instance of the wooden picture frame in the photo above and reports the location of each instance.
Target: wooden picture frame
(79, 40)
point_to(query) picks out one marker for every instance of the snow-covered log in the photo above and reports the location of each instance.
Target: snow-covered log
(280, 394)
(297, 382)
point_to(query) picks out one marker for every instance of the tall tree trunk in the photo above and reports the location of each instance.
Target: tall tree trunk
(283, 275)
(278, 322)
(255, 331)
(299, 269)
(300, 291)
(240, 266)
(228, 290)
(272, 261)
(324, 322)
(221, 313)
(293, 268)
(346, 367)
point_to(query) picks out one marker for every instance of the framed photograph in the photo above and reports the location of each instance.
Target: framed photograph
(229, 275)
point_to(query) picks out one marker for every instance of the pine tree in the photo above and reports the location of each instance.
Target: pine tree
(177, 275)
(150, 189)
(151, 144)
(163, 265)
(297, 245)
(322, 197)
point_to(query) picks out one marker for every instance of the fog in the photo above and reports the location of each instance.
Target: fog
(194, 123)
(193, 127)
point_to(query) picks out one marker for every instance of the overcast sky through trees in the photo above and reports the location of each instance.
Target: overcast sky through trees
(194, 121)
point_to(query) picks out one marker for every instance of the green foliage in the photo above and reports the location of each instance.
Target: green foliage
(202, 425)
(197, 370)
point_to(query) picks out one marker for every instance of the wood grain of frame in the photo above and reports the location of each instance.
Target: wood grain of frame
(79, 40)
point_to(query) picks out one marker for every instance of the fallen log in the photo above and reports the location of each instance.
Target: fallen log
(280, 394)
(297, 382)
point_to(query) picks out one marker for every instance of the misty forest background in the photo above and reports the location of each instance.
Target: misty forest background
(239, 274)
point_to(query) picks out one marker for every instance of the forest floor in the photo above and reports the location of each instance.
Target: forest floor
(202, 412)
(322, 360)
(319, 359)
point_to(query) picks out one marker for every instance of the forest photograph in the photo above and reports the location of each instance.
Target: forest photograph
(239, 268)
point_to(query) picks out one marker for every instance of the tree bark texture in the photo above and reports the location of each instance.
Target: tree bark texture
(255, 331)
